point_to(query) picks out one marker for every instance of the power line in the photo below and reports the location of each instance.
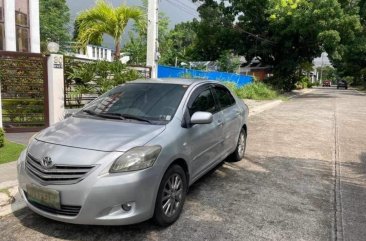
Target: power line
(187, 6)
(183, 8)
(255, 36)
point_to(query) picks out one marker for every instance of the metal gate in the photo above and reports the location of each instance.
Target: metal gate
(23, 78)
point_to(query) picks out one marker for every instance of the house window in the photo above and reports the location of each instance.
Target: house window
(97, 53)
(101, 53)
(2, 31)
(1, 11)
(105, 53)
(22, 25)
(93, 52)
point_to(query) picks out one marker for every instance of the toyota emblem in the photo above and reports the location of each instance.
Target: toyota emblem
(46, 162)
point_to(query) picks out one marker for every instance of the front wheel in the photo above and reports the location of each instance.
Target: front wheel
(239, 152)
(171, 196)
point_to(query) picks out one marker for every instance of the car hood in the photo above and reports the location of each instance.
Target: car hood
(101, 135)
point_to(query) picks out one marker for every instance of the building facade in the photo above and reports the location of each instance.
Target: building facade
(19, 26)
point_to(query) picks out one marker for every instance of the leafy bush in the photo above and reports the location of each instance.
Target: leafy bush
(2, 137)
(255, 91)
(99, 76)
(303, 83)
(27, 110)
(349, 79)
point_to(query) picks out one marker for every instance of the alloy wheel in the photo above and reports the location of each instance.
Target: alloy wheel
(172, 195)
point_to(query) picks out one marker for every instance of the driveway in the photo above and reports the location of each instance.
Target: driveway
(303, 178)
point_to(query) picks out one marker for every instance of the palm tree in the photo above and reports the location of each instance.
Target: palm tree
(105, 19)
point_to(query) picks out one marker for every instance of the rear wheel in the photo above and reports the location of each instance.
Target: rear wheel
(239, 152)
(171, 196)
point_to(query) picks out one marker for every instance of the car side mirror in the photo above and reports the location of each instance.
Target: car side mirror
(200, 117)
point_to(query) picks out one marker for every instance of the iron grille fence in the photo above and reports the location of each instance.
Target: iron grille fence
(23, 78)
(79, 91)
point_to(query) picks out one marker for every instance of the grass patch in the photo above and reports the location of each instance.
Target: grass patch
(10, 151)
(361, 88)
(255, 91)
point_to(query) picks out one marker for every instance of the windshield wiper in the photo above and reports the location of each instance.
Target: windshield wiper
(118, 116)
(104, 115)
(131, 117)
(90, 112)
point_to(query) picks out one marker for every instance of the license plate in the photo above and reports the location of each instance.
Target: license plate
(44, 196)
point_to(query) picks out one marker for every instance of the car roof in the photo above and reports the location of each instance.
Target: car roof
(178, 81)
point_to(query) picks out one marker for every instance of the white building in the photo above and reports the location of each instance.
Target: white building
(93, 52)
(19, 26)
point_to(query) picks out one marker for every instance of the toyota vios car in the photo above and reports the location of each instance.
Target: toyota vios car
(131, 154)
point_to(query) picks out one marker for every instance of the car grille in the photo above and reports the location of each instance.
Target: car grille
(66, 210)
(58, 174)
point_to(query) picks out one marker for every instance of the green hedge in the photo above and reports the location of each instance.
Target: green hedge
(2, 137)
(23, 110)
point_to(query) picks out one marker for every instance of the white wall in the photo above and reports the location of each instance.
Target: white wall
(10, 34)
(35, 39)
(10, 29)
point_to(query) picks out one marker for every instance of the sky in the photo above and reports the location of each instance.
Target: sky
(322, 61)
(177, 11)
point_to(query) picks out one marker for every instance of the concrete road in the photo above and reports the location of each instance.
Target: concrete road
(303, 179)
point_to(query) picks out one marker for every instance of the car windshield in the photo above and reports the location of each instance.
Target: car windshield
(153, 103)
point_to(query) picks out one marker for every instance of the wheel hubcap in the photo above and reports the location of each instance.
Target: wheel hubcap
(241, 145)
(172, 195)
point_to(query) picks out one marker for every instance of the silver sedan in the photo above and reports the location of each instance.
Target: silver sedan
(132, 154)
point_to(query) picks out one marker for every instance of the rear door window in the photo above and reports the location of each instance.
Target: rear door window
(224, 97)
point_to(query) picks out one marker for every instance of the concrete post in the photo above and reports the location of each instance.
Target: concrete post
(56, 87)
(152, 37)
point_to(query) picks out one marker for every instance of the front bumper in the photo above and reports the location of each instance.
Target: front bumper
(100, 196)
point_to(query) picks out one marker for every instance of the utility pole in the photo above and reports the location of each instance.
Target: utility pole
(152, 54)
(321, 69)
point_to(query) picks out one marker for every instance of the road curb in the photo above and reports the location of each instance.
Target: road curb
(259, 109)
(15, 202)
(306, 91)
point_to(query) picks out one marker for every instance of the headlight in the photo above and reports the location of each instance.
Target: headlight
(136, 159)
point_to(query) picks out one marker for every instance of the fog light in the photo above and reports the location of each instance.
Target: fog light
(127, 206)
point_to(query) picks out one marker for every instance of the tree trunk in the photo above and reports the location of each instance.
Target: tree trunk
(117, 54)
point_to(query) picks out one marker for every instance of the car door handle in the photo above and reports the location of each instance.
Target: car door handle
(219, 123)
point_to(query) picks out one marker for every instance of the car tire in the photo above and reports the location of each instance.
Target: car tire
(172, 189)
(239, 152)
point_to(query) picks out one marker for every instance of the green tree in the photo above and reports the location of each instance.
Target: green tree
(105, 19)
(54, 21)
(137, 43)
(228, 62)
(328, 73)
(180, 44)
(283, 33)
(97, 41)
(353, 61)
